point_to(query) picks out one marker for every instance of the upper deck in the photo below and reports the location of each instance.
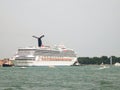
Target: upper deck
(58, 51)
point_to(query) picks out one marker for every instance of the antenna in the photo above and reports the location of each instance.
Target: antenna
(39, 40)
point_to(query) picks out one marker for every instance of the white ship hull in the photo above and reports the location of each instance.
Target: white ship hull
(44, 63)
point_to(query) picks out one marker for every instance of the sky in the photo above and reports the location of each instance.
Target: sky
(90, 27)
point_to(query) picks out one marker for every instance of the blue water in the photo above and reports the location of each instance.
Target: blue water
(60, 78)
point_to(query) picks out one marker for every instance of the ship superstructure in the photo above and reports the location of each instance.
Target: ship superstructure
(45, 56)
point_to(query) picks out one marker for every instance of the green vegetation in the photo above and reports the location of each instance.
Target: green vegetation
(98, 60)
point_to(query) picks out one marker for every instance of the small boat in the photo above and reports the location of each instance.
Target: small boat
(103, 67)
(7, 65)
(117, 64)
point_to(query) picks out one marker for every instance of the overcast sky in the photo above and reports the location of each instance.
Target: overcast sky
(90, 27)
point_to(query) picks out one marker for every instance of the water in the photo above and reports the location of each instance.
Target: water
(60, 78)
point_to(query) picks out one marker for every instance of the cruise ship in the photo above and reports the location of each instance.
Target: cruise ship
(45, 55)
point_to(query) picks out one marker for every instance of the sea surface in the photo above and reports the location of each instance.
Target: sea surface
(90, 77)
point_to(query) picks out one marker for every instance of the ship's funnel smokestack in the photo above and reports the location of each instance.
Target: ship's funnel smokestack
(39, 40)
